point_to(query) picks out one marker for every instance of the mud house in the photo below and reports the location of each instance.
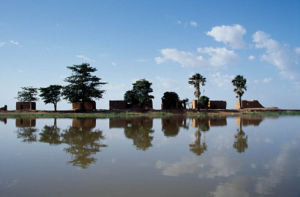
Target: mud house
(25, 106)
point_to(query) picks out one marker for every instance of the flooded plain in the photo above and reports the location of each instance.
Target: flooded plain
(230, 156)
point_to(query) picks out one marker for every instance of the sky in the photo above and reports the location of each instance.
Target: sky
(165, 42)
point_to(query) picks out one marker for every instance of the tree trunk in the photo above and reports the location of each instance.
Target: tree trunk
(55, 106)
(82, 106)
(240, 99)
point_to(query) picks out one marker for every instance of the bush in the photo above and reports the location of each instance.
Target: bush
(203, 100)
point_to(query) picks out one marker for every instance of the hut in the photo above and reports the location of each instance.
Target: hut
(122, 105)
(117, 105)
(3, 108)
(25, 106)
(217, 104)
(248, 104)
(88, 106)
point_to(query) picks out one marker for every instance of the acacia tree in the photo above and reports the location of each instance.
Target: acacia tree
(83, 86)
(140, 93)
(196, 80)
(51, 94)
(28, 94)
(239, 82)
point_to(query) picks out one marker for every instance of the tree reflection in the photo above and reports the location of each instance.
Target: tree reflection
(51, 134)
(139, 129)
(241, 140)
(171, 126)
(26, 129)
(202, 124)
(83, 142)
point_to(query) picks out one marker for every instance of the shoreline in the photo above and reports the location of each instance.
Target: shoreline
(151, 113)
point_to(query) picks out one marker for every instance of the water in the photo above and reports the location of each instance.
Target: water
(233, 156)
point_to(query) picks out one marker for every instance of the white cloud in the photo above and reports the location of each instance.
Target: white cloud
(85, 58)
(14, 42)
(230, 35)
(2, 44)
(222, 80)
(297, 50)
(179, 22)
(211, 167)
(167, 83)
(267, 80)
(219, 57)
(279, 55)
(236, 188)
(216, 57)
(283, 165)
(251, 57)
(114, 63)
(193, 23)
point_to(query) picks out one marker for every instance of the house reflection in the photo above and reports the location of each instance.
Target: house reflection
(83, 141)
(26, 129)
(4, 120)
(137, 129)
(171, 126)
(249, 120)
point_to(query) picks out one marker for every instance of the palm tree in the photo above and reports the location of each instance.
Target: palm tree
(196, 80)
(240, 85)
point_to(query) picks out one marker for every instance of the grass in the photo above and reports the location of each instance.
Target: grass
(147, 114)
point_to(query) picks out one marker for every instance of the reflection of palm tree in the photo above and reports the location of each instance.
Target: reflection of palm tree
(197, 147)
(50, 134)
(83, 142)
(139, 130)
(240, 143)
(27, 134)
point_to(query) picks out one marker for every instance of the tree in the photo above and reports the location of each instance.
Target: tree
(170, 100)
(28, 94)
(240, 85)
(140, 93)
(83, 86)
(196, 80)
(203, 101)
(51, 94)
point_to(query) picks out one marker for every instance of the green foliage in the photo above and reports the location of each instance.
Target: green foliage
(203, 100)
(51, 94)
(140, 93)
(170, 100)
(82, 85)
(196, 80)
(239, 82)
(28, 94)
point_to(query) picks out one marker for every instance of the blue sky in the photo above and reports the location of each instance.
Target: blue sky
(163, 41)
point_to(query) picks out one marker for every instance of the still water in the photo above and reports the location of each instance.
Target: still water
(233, 156)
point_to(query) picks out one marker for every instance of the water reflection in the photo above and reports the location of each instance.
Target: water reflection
(137, 129)
(171, 126)
(51, 134)
(241, 140)
(83, 141)
(26, 129)
(199, 153)
(4, 120)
